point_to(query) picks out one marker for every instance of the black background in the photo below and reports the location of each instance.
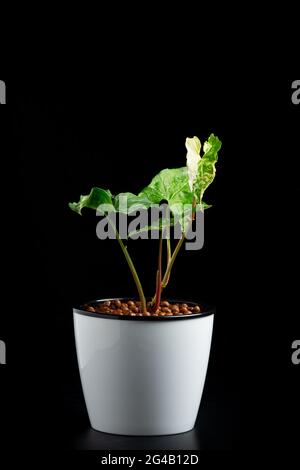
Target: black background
(116, 129)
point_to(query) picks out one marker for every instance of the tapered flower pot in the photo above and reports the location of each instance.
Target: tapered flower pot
(143, 375)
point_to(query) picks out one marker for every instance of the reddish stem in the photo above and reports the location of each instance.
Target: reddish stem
(169, 256)
(158, 275)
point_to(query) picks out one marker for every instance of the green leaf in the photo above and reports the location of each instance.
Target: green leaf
(128, 203)
(193, 146)
(203, 206)
(172, 186)
(206, 167)
(164, 222)
(159, 224)
(96, 198)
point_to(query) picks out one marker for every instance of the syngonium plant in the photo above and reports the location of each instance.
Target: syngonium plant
(183, 189)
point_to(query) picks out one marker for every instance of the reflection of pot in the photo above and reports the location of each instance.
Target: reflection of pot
(143, 375)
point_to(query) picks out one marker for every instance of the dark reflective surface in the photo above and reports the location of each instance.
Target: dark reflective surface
(94, 440)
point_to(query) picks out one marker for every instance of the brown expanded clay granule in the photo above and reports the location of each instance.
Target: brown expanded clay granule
(132, 308)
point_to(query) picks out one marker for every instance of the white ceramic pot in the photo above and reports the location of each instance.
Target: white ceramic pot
(142, 375)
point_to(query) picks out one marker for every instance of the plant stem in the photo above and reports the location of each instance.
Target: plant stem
(166, 277)
(134, 273)
(174, 255)
(169, 256)
(176, 251)
(131, 267)
(158, 274)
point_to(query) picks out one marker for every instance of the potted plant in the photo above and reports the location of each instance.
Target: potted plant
(143, 362)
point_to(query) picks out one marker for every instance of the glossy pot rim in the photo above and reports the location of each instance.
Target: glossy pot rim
(209, 310)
